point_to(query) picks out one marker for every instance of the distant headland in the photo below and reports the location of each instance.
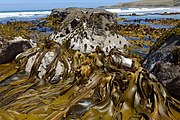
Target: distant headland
(146, 4)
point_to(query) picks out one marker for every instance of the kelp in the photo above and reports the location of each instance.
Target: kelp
(89, 86)
(52, 22)
(36, 30)
(142, 37)
(15, 29)
(170, 21)
(174, 32)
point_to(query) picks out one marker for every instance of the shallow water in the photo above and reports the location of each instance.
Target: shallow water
(13, 19)
(145, 11)
(132, 38)
(146, 23)
(22, 15)
(155, 16)
(47, 30)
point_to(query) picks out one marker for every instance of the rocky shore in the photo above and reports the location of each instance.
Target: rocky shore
(84, 70)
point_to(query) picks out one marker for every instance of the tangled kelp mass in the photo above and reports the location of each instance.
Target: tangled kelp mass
(74, 85)
(15, 29)
(36, 30)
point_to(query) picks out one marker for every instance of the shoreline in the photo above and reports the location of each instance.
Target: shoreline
(146, 4)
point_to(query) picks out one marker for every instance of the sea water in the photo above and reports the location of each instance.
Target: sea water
(149, 13)
(146, 13)
(26, 15)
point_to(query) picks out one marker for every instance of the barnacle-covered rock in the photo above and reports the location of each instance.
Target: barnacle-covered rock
(85, 29)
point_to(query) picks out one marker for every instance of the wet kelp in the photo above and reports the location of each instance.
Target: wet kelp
(36, 30)
(15, 29)
(81, 86)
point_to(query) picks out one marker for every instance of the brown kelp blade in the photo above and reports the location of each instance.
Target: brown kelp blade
(89, 87)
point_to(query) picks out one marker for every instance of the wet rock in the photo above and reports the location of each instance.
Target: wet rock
(44, 63)
(164, 61)
(85, 29)
(9, 49)
(48, 61)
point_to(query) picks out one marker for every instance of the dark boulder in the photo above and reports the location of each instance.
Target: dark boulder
(9, 49)
(164, 61)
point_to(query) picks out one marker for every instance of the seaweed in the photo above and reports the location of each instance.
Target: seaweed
(14, 29)
(176, 55)
(174, 32)
(92, 86)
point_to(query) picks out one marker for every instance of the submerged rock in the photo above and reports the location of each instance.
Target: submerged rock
(164, 61)
(85, 29)
(9, 49)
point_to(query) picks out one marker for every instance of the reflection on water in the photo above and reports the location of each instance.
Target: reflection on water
(146, 23)
(47, 30)
(153, 21)
(132, 38)
(176, 16)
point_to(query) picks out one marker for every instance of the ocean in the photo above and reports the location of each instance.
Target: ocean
(25, 15)
(150, 13)
(142, 11)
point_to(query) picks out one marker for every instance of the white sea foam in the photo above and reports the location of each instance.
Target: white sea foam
(143, 10)
(23, 14)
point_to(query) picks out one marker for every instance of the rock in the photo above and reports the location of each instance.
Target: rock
(81, 29)
(49, 61)
(46, 60)
(85, 29)
(126, 61)
(9, 49)
(119, 58)
(164, 61)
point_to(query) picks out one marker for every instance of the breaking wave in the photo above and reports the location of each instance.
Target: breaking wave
(23, 14)
(142, 11)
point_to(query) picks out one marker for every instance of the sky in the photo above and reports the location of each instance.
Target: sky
(10, 5)
(63, 1)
